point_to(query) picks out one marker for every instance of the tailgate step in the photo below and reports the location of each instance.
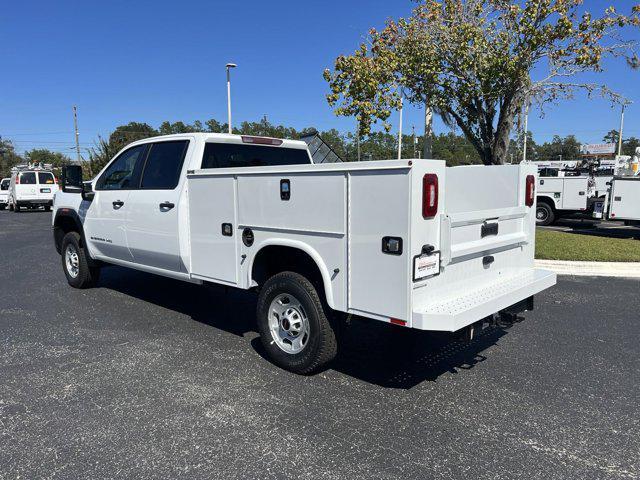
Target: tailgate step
(470, 302)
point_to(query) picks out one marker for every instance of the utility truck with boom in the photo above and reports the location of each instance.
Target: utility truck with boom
(407, 242)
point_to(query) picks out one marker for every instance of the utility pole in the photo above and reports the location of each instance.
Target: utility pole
(400, 131)
(358, 138)
(428, 131)
(526, 128)
(75, 127)
(413, 136)
(620, 133)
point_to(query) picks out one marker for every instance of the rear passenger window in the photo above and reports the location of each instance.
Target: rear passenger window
(225, 155)
(4, 185)
(164, 164)
(124, 171)
(28, 178)
(45, 178)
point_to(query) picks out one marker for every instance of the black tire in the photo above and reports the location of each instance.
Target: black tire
(2, 207)
(321, 346)
(11, 207)
(86, 276)
(16, 208)
(545, 214)
(47, 208)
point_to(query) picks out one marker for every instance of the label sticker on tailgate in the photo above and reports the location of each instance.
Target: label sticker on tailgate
(426, 266)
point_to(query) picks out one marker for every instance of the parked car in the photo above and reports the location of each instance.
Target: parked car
(407, 242)
(4, 193)
(32, 189)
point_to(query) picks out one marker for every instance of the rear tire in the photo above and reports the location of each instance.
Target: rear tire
(47, 208)
(75, 265)
(16, 208)
(2, 207)
(545, 215)
(294, 328)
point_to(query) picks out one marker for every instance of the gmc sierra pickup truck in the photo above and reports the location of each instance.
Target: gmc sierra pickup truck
(408, 242)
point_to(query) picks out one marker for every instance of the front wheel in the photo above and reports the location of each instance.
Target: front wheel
(544, 214)
(75, 265)
(294, 328)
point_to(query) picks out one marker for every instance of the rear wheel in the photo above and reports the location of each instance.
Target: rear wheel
(75, 265)
(545, 214)
(293, 325)
(16, 208)
(3, 206)
(47, 208)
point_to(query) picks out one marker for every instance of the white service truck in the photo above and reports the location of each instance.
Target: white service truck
(622, 201)
(558, 196)
(407, 242)
(4, 192)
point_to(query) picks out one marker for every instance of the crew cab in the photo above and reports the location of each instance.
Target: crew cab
(33, 188)
(4, 192)
(407, 242)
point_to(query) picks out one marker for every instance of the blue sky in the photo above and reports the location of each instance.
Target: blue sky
(153, 61)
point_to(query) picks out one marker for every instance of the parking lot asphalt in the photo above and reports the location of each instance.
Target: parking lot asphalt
(586, 226)
(147, 377)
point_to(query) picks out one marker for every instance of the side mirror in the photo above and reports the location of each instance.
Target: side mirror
(87, 191)
(71, 179)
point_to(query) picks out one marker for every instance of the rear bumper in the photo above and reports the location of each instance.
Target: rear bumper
(39, 202)
(472, 302)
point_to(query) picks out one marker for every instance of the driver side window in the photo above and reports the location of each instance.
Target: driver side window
(124, 171)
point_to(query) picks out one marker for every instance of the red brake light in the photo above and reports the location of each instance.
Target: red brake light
(18, 179)
(429, 195)
(530, 191)
(261, 140)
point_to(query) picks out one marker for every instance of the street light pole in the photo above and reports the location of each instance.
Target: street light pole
(229, 66)
(620, 133)
(400, 131)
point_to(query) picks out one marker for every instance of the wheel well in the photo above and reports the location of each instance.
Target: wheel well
(548, 201)
(274, 259)
(63, 225)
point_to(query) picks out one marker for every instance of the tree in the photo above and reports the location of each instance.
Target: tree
(473, 61)
(132, 131)
(567, 148)
(629, 145)
(43, 155)
(611, 137)
(8, 157)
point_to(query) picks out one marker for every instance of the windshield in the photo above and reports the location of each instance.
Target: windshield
(4, 185)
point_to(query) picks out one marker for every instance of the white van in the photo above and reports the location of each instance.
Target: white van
(4, 192)
(32, 189)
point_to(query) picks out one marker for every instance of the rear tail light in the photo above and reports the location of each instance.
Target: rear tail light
(18, 179)
(429, 195)
(530, 190)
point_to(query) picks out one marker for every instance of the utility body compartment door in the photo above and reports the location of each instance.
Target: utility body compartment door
(625, 199)
(575, 193)
(214, 254)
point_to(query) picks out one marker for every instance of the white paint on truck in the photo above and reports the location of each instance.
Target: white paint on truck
(229, 210)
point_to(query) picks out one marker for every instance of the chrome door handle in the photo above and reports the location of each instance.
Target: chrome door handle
(166, 206)
(117, 204)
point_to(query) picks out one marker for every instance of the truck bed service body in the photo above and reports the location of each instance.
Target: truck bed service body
(409, 242)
